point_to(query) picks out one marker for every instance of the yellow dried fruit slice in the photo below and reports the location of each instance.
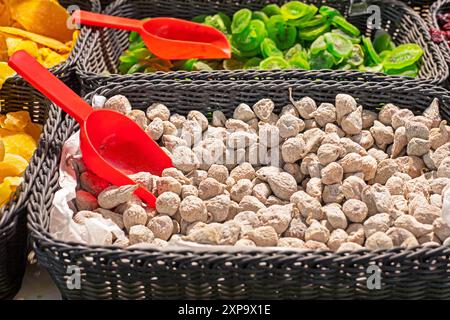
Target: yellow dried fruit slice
(2, 150)
(42, 40)
(12, 166)
(44, 17)
(5, 73)
(15, 121)
(5, 192)
(16, 44)
(5, 16)
(34, 130)
(3, 48)
(21, 144)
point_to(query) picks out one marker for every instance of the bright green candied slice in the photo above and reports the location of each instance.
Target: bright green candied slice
(274, 63)
(241, 20)
(253, 63)
(402, 56)
(299, 61)
(329, 12)
(313, 22)
(297, 49)
(294, 10)
(341, 23)
(272, 10)
(311, 34)
(318, 45)
(381, 41)
(217, 22)
(312, 10)
(354, 40)
(370, 50)
(338, 46)
(322, 60)
(409, 71)
(251, 37)
(357, 57)
(269, 49)
(283, 35)
(259, 15)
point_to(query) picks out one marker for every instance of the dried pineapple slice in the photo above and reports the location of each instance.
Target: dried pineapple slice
(21, 144)
(12, 166)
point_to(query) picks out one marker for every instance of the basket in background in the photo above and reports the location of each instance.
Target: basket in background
(98, 64)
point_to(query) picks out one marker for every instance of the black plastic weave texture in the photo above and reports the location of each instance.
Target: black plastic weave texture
(229, 272)
(98, 64)
(17, 95)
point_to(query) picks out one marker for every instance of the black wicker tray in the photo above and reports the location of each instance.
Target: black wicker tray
(229, 272)
(13, 220)
(422, 7)
(65, 71)
(98, 64)
(441, 5)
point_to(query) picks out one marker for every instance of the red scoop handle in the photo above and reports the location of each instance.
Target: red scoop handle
(50, 86)
(102, 20)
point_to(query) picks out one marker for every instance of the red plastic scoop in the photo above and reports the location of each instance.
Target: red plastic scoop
(167, 38)
(113, 146)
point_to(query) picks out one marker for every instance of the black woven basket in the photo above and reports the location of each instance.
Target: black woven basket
(13, 231)
(229, 272)
(441, 5)
(422, 7)
(98, 64)
(66, 70)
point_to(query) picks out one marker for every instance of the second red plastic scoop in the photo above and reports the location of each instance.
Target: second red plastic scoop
(167, 38)
(113, 146)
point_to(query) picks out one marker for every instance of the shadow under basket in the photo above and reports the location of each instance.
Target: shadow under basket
(219, 272)
(99, 63)
(13, 215)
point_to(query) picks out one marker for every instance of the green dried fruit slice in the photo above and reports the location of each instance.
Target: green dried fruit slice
(241, 20)
(370, 50)
(318, 45)
(402, 56)
(313, 22)
(357, 56)
(310, 34)
(409, 71)
(299, 62)
(381, 41)
(294, 10)
(272, 10)
(297, 49)
(283, 35)
(259, 15)
(323, 60)
(251, 37)
(338, 46)
(329, 11)
(341, 23)
(274, 63)
(312, 10)
(269, 49)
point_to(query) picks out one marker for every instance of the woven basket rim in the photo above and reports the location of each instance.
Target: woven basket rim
(42, 237)
(440, 75)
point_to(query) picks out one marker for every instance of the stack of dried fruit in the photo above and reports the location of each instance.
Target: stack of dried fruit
(442, 34)
(328, 176)
(293, 36)
(18, 141)
(36, 26)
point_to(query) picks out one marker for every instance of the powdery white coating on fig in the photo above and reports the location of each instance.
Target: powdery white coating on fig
(193, 209)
